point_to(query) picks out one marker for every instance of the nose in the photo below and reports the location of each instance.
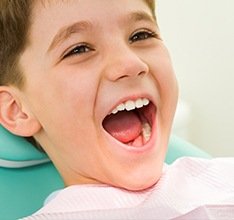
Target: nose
(124, 63)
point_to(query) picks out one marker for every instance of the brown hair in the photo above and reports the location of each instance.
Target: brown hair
(15, 17)
(14, 25)
(151, 4)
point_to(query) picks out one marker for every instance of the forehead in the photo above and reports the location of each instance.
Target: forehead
(87, 7)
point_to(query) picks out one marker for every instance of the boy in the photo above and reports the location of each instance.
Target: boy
(93, 84)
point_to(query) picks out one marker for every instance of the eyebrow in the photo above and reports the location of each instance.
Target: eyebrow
(67, 31)
(141, 16)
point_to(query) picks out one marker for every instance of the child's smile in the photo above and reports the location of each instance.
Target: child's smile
(110, 89)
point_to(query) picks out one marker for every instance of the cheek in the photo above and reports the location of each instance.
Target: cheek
(161, 68)
(61, 103)
(166, 83)
(65, 114)
(77, 84)
(164, 76)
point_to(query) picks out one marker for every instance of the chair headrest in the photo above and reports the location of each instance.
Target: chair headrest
(17, 152)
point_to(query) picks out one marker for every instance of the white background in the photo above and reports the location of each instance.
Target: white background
(200, 38)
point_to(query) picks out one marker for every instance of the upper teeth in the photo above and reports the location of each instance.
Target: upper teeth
(130, 105)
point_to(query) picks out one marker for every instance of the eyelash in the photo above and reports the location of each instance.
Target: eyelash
(142, 35)
(79, 49)
(85, 48)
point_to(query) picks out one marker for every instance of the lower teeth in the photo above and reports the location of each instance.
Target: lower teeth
(146, 131)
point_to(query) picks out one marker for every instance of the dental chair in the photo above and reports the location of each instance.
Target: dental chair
(27, 176)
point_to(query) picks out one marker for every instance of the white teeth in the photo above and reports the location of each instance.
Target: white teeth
(145, 101)
(115, 111)
(120, 107)
(146, 131)
(139, 103)
(131, 105)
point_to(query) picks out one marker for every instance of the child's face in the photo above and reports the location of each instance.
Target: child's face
(83, 60)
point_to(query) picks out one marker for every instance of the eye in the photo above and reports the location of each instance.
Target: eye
(142, 35)
(78, 50)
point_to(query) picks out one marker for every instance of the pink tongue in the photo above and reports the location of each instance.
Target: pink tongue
(124, 126)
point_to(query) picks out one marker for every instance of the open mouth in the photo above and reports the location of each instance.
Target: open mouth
(131, 122)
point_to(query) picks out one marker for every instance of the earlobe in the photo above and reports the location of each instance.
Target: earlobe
(12, 115)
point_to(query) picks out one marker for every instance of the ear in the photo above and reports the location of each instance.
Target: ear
(14, 116)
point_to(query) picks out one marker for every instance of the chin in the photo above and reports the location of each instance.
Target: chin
(139, 184)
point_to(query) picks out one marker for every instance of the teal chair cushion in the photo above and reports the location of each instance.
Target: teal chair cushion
(179, 148)
(17, 152)
(27, 176)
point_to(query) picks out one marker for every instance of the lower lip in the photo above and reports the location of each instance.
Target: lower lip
(136, 150)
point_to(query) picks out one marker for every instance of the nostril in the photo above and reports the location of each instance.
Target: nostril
(130, 75)
(141, 73)
(122, 77)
